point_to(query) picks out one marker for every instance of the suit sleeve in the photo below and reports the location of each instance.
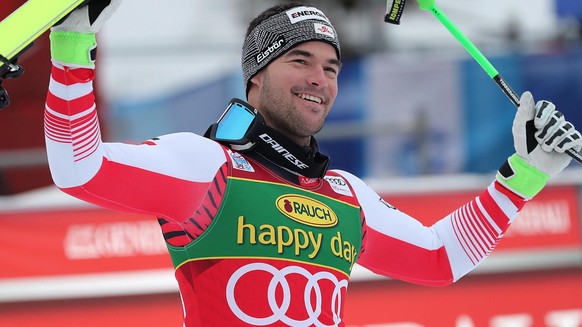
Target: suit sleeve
(166, 176)
(399, 246)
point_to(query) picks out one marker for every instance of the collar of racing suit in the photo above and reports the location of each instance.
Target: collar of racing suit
(266, 143)
(303, 160)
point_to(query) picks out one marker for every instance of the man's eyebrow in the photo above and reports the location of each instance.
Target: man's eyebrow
(307, 54)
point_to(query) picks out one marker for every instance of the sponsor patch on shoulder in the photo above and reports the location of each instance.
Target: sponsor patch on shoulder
(239, 162)
(384, 202)
(339, 185)
(307, 182)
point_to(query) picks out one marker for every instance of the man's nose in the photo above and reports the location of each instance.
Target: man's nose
(317, 77)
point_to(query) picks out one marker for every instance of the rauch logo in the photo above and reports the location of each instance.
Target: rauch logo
(306, 211)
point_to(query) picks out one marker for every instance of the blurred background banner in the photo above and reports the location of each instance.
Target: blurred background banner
(569, 8)
(80, 241)
(417, 101)
(191, 108)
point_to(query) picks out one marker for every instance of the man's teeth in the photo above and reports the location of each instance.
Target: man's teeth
(310, 98)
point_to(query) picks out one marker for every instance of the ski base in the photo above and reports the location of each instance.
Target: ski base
(19, 30)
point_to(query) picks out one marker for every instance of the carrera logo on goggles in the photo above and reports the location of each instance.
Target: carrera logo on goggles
(270, 50)
(306, 211)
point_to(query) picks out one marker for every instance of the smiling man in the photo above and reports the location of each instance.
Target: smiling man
(295, 92)
(293, 82)
(260, 231)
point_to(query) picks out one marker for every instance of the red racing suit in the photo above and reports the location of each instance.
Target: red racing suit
(250, 247)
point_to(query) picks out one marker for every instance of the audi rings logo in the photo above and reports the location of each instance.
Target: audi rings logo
(279, 312)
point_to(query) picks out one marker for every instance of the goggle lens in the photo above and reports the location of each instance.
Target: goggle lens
(235, 122)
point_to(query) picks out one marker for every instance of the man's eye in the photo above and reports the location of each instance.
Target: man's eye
(331, 70)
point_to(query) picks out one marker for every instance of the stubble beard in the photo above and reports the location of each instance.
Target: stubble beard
(281, 114)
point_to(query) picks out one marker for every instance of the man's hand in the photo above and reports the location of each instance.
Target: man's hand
(73, 41)
(541, 135)
(90, 18)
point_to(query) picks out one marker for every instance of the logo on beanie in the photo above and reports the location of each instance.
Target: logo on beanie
(266, 52)
(324, 29)
(299, 14)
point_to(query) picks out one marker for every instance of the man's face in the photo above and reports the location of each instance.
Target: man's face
(297, 90)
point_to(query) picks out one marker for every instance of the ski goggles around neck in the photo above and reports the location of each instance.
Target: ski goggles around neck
(235, 125)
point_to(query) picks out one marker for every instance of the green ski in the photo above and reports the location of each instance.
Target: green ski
(19, 30)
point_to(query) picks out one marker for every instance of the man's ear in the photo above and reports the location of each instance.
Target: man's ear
(257, 80)
(255, 84)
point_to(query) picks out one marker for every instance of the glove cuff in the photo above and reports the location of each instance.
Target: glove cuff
(522, 178)
(73, 49)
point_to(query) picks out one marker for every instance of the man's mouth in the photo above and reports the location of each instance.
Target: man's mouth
(311, 98)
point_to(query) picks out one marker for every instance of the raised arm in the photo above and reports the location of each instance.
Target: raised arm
(166, 176)
(399, 246)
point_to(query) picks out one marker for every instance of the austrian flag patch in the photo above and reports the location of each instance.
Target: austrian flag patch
(325, 30)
